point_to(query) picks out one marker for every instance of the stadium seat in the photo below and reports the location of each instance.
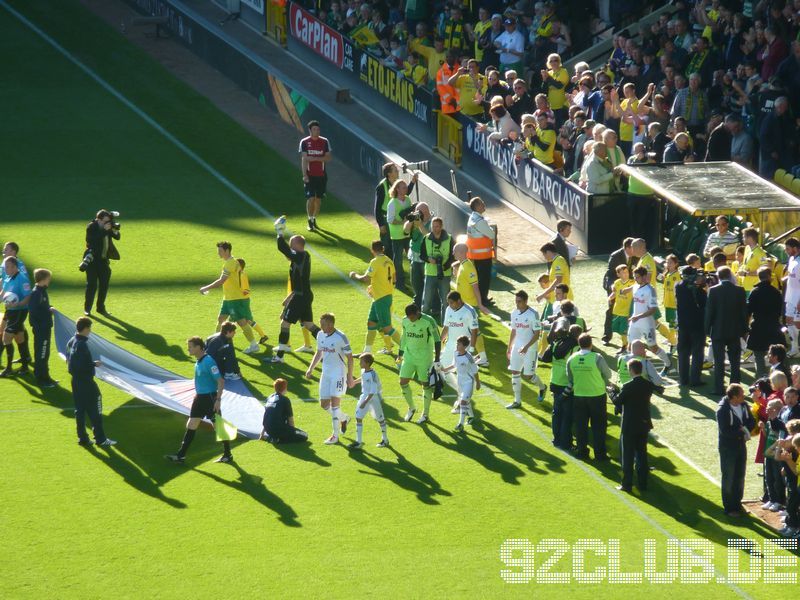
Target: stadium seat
(788, 178)
(778, 177)
(796, 186)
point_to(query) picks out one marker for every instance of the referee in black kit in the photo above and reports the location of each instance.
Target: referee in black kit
(297, 305)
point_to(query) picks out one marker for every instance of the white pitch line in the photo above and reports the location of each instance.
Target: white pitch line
(252, 203)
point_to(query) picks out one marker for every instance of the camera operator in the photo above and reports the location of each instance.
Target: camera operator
(690, 298)
(418, 228)
(437, 254)
(391, 173)
(100, 236)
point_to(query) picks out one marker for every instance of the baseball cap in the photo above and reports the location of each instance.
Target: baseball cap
(508, 22)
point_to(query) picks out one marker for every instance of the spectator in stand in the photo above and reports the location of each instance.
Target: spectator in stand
(765, 307)
(742, 149)
(470, 86)
(599, 172)
(774, 53)
(413, 70)
(542, 143)
(555, 80)
(655, 142)
(520, 102)
(616, 156)
(487, 42)
(452, 30)
(511, 46)
(477, 34)
(778, 137)
(543, 107)
(719, 143)
(495, 87)
(631, 115)
(692, 104)
(789, 74)
(434, 56)
(584, 135)
(703, 61)
(502, 124)
(678, 150)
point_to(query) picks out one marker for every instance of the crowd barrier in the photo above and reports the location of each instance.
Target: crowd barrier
(293, 103)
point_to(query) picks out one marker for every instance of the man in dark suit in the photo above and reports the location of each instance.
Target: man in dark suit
(100, 236)
(690, 297)
(655, 142)
(726, 323)
(563, 229)
(616, 258)
(734, 423)
(765, 306)
(633, 401)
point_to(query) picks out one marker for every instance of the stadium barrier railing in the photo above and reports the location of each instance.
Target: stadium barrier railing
(449, 137)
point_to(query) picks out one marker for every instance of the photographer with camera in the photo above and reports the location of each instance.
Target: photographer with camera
(399, 211)
(418, 228)
(437, 255)
(391, 173)
(100, 236)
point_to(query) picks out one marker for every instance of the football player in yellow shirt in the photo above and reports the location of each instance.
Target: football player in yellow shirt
(753, 253)
(380, 277)
(672, 277)
(245, 281)
(621, 304)
(466, 278)
(558, 273)
(235, 306)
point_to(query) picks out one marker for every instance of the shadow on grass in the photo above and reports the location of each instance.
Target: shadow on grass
(469, 446)
(521, 450)
(253, 486)
(301, 451)
(403, 473)
(152, 341)
(358, 251)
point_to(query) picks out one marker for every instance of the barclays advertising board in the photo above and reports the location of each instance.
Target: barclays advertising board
(556, 197)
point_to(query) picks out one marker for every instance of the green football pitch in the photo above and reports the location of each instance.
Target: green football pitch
(92, 123)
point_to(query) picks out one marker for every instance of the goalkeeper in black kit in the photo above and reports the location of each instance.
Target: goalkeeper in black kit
(297, 305)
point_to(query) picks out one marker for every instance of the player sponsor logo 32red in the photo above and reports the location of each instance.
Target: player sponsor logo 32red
(323, 40)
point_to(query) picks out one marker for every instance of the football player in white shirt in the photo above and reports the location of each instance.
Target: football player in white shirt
(369, 401)
(792, 283)
(459, 319)
(333, 349)
(521, 353)
(468, 380)
(642, 324)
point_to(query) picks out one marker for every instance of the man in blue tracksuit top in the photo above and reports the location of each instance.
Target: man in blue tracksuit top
(41, 319)
(85, 392)
(208, 386)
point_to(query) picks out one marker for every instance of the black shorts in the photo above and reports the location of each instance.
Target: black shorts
(203, 406)
(15, 320)
(316, 186)
(299, 309)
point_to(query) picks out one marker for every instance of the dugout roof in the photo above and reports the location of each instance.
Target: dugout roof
(713, 188)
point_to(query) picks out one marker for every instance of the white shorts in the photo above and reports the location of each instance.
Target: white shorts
(448, 354)
(790, 308)
(524, 363)
(332, 386)
(374, 406)
(645, 332)
(465, 389)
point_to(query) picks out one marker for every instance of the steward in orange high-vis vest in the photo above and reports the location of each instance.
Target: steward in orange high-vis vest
(448, 95)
